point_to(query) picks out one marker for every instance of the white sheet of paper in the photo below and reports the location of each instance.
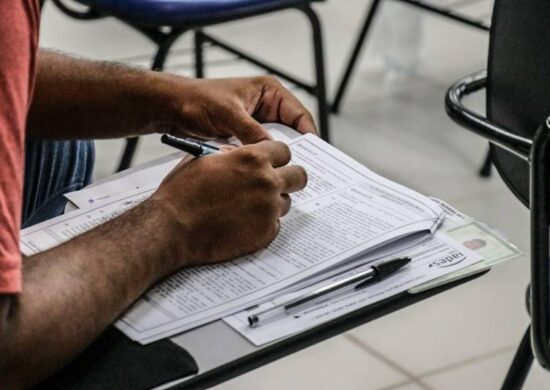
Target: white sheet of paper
(434, 257)
(55, 231)
(143, 178)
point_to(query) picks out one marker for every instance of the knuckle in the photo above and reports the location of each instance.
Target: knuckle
(246, 129)
(264, 212)
(251, 157)
(268, 181)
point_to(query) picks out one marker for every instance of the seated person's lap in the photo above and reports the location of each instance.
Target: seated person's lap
(53, 168)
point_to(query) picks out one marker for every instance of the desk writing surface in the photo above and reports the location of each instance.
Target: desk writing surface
(222, 353)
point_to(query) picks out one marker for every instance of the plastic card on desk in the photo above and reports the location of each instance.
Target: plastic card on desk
(490, 245)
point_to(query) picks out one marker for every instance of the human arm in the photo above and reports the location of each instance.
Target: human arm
(77, 98)
(74, 291)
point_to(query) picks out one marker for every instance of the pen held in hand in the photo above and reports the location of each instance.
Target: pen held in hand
(189, 145)
(360, 280)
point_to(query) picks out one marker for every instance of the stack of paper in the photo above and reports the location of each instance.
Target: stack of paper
(437, 259)
(344, 219)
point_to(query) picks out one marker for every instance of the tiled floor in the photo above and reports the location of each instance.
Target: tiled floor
(394, 122)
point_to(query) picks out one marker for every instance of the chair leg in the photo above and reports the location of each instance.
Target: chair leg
(199, 54)
(128, 153)
(163, 48)
(320, 88)
(519, 369)
(486, 168)
(342, 86)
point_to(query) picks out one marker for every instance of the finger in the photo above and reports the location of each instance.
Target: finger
(227, 148)
(249, 131)
(293, 178)
(293, 113)
(286, 203)
(278, 104)
(305, 124)
(277, 153)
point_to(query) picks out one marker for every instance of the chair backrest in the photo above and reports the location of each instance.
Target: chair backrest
(518, 79)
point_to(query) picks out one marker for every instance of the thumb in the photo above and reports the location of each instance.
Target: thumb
(249, 131)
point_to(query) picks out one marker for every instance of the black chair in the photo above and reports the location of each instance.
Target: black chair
(518, 127)
(163, 22)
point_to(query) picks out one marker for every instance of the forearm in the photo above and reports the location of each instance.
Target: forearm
(73, 292)
(76, 98)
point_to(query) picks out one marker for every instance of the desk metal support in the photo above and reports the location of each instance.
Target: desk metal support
(449, 12)
(165, 40)
(540, 274)
(446, 12)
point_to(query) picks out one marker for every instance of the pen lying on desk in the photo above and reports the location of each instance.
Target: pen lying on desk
(189, 145)
(374, 274)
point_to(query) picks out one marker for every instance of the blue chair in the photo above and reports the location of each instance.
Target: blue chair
(164, 21)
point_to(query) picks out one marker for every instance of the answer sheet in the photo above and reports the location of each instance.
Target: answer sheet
(345, 211)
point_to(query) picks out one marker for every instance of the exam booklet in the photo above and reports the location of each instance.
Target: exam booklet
(345, 213)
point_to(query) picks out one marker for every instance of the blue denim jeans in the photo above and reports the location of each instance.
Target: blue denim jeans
(53, 168)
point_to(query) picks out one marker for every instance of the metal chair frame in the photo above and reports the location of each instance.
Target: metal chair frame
(164, 38)
(447, 12)
(536, 152)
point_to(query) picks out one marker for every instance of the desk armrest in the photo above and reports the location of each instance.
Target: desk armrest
(463, 116)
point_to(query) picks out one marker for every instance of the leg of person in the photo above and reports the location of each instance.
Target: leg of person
(53, 168)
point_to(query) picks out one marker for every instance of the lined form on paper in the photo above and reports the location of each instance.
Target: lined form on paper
(55, 231)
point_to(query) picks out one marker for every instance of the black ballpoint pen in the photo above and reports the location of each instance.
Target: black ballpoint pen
(189, 145)
(374, 274)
